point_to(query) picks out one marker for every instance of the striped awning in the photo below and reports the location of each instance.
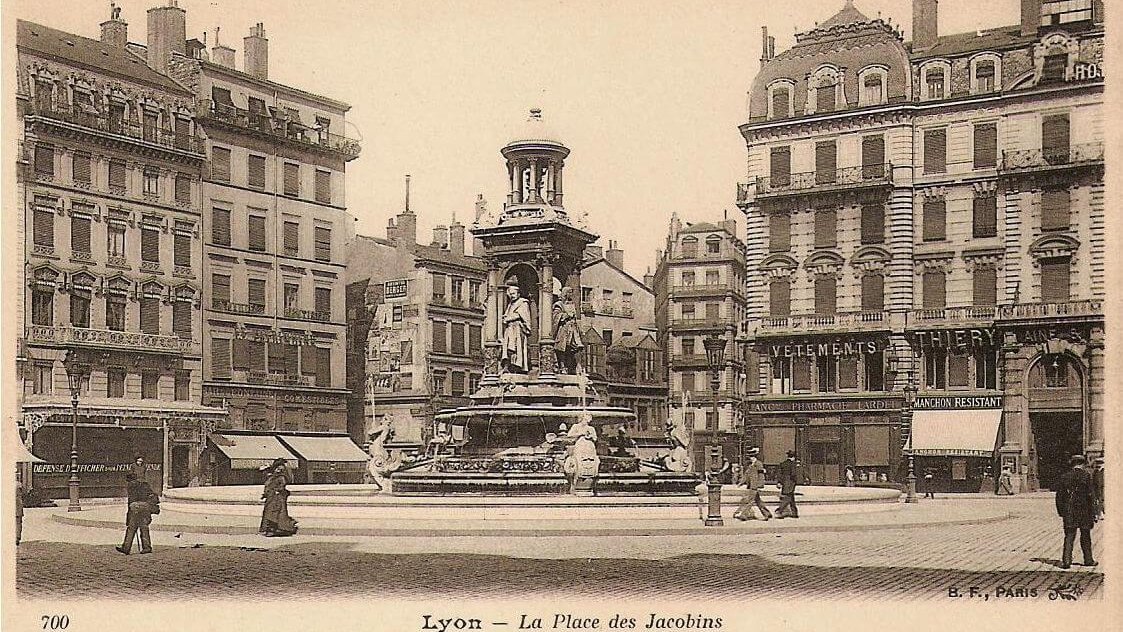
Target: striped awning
(954, 432)
(326, 449)
(250, 452)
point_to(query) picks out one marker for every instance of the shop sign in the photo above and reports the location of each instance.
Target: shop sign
(988, 402)
(395, 289)
(956, 338)
(64, 468)
(1042, 335)
(836, 348)
(1086, 71)
(797, 406)
(280, 337)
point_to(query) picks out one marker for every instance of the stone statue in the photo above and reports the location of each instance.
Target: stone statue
(679, 437)
(515, 353)
(567, 336)
(382, 462)
(581, 461)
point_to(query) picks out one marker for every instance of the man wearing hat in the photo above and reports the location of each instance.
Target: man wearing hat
(1076, 505)
(753, 481)
(787, 481)
(1098, 483)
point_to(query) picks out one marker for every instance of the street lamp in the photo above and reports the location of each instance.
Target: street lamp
(76, 371)
(715, 356)
(910, 480)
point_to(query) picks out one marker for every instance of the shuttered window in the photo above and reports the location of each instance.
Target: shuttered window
(780, 297)
(440, 337)
(308, 360)
(256, 237)
(115, 313)
(323, 301)
(292, 239)
(780, 166)
(826, 228)
(984, 286)
(873, 223)
(241, 357)
(779, 232)
(848, 372)
(255, 292)
(958, 370)
(323, 366)
(151, 181)
(826, 162)
(255, 171)
(826, 295)
(801, 374)
(220, 290)
(323, 186)
(935, 151)
(182, 133)
(873, 157)
(181, 318)
(984, 76)
(220, 164)
(43, 307)
(935, 221)
(781, 102)
(81, 167)
(150, 244)
(182, 188)
(873, 292)
(986, 145)
(255, 355)
(1054, 68)
(934, 78)
(323, 244)
(282, 358)
(220, 358)
(475, 340)
(80, 234)
(1055, 280)
(825, 98)
(44, 227)
(985, 217)
(1055, 209)
(80, 308)
(150, 315)
(457, 331)
(182, 249)
(1055, 138)
(117, 175)
(292, 179)
(220, 226)
(44, 160)
(935, 296)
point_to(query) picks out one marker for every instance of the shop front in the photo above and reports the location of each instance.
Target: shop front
(953, 439)
(327, 460)
(234, 458)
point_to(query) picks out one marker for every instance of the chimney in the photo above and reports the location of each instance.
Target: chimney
(767, 46)
(456, 238)
(407, 227)
(440, 236)
(1031, 17)
(220, 53)
(167, 34)
(115, 31)
(256, 49)
(614, 255)
(730, 225)
(924, 29)
(391, 230)
(649, 279)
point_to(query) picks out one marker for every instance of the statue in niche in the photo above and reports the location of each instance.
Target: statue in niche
(515, 355)
(567, 337)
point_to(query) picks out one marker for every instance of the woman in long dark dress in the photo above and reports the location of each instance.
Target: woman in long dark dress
(275, 518)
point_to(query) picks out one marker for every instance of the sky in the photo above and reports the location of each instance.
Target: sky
(647, 95)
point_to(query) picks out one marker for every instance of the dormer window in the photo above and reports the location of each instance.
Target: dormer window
(781, 102)
(934, 80)
(984, 76)
(824, 98)
(1053, 70)
(873, 89)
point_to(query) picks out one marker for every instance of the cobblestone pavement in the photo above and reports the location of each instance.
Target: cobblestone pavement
(1018, 553)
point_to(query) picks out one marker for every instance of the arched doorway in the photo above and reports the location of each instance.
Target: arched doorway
(1056, 415)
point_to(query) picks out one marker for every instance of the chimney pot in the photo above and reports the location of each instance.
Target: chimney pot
(255, 48)
(925, 31)
(167, 34)
(456, 238)
(1031, 17)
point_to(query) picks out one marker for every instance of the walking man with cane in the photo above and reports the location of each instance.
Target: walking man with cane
(143, 502)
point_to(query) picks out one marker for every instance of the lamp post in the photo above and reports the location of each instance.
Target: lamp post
(910, 480)
(715, 356)
(76, 371)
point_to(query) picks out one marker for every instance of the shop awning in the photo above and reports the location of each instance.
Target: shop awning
(954, 432)
(248, 452)
(326, 449)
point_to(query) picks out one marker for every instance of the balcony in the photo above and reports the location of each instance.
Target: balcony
(443, 300)
(815, 182)
(725, 253)
(1052, 158)
(704, 289)
(278, 379)
(823, 323)
(112, 340)
(689, 360)
(237, 308)
(953, 316)
(307, 314)
(280, 128)
(107, 126)
(690, 324)
(1051, 311)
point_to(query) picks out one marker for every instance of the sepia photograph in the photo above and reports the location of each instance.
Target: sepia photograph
(576, 315)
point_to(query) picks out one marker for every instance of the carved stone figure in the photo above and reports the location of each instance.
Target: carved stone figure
(679, 437)
(382, 462)
(567, 337)
(515, 354)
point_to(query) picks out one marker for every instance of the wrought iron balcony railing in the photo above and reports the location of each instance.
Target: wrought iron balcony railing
(850, 321)
(237, 308)
(307, 314)
(1052, 157)
(278, 379)
(811, 181)
(110, 339)
(280, 127)
(108, 124)
(967, 314)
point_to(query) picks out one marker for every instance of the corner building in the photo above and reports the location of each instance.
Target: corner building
(926, 223)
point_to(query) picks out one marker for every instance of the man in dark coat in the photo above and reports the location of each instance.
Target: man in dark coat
(1098, 482)
(787, 480)
(1076, 505)
(143, 502)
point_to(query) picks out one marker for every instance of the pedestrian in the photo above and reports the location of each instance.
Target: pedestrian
(849, 476)
(929, 477)
(139, 469)
(19, 509)
(753, 480)
(143, 502)
(1098, 482)
(1005, 482)
(1076, 505)
(787, 482)
(275, 518)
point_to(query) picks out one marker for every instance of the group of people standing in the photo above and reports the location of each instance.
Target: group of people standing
(752, 506)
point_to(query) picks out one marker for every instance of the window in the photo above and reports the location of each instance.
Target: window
(711, 420)
(457, 291)
(249, 355)
(151, 181)
(781, 375)
(826, 228)
(323, 244)
(935, 369)
(255, 293)
(323, 302)
(688, 381)
(826, 295)
(935, 222)
(986, 145)
(688, 310)
(688, 419)
(406, 350)
(801, 374)
(779, 297)
(182, 386)
(115, 239)
(256, 224)
(475, 340)
(150, 244)
(958, 370)
(781, 102)
(873, 89)
(606, 335)
(440, 337)
(115, 382)
(984, 282)
(934, 79)
(220, 226)
(149, 385)
(713, 245)
(780, 167)
(150, 315)
(220, 164)
(181, 318)
(440, 287)
(1055, 280)
(220, 291)
(687, 346)
(986, 369)
(182, 132)
(255, 171)
(292, 239)
(456, 382)
(44, 160)
(873, 292)
(292, 296)
(41, 377)
(826, 162)
(779, 232)
(1054, 68)
(1055, 209)
(292, 179)
(43, 307)
(323, 186)
(985, 217)
(828, 374)
(713, 311)
(873, 157)
(984, 76)
(115, 313)
(713, 277)
(875, 371)
(934, 295)
(873, 223)
(80, 167)
(182, 188)
(457, 345)
(689, 247)
(79, 309)
(80, 234)
(1055, 138)
(220, 358)
(935, 151)
(117, 175)
(43, 228)
(282, 358)
(825, 98)
(688, 277)
(181, 251)
(150, 124)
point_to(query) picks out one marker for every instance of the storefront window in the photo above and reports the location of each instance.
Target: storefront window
(781, 375)
(828, 374)
(935, 369)
(986, 369)
(875, 371)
